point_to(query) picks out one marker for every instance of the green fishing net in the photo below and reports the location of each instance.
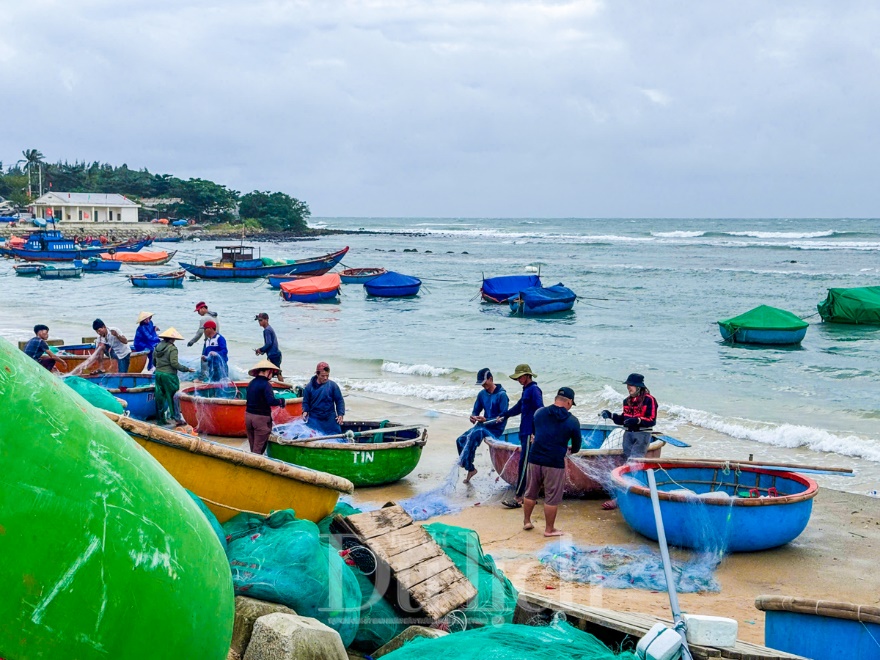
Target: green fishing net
(94, 394)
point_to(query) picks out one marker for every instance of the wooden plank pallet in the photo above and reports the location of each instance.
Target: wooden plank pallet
(411, 569)
(613, 627)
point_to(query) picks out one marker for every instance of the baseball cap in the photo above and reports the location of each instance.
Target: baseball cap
(322, 366)
(568, 393)
(199, 305)
(261, 315)
(210, 324)
(483, 375)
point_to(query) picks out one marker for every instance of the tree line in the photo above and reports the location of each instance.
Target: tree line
(199, 199)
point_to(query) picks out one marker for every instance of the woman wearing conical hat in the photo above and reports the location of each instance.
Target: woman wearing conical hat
(146, 337)
(167, 382)
(260, 401)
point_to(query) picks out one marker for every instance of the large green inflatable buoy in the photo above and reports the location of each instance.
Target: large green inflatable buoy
(102, 553)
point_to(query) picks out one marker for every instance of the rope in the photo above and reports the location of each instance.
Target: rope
(232, 508)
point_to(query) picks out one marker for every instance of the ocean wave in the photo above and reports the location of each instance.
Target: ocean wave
(782, 234)
(678, 234)
(412, 390)
(415, 369)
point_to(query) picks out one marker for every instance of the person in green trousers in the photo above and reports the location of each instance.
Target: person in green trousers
(167, 382)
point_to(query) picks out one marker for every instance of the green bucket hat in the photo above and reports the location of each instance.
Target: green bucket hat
(523, 370)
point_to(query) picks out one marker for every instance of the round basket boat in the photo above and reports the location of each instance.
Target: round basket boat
(708, 507)
(137, 390)
(219, 410)
(376, 459)
(586, 473)
(75, 354)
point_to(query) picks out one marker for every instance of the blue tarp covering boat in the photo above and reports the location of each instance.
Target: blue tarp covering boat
(500, 289)
(137, 390)
(393, 285)
(542, 300)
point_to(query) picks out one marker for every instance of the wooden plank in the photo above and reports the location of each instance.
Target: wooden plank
(422, 571)
(424, 591)
(455, 597)
(394, 543)
(377, 523)
(414, 556)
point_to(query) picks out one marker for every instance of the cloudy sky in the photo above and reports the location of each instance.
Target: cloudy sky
(445, 108)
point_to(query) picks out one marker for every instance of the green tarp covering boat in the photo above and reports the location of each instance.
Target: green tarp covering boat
(103, 554)
(764, 325)
(859, 305)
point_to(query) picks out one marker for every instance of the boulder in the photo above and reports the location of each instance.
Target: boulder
(247, 611)
(281, 636)
(408, 635)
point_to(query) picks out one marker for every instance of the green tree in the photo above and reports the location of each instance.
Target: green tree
(208, 200)
(33, 159)
(275, 211)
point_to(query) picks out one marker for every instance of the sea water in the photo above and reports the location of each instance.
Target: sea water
(651, 294)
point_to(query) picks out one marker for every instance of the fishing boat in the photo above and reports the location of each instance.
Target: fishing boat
(137, 390)
(360, 275)
(821, 629)
(230, 480)
(141, 258)
(170, 280)
(275, 281)
(537, 301)
(75, 354)
(764, 325)
(168, 239)
(60, 273)
(706, 506)
(90, 524)
(500, 289)
(368, 460)
(856, 305)
(218, 409)
(239, 262)
(28, 268)
(52, 245)
(393, 285)
(587, 472)
(312, 289)
(97, 265)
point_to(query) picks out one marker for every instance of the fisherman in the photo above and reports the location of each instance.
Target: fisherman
(215, 357)
(532, 400)
(145, 337)
(270, 344)
(38, 348)
(555, 428)
(113, 343)
(207, 315)
(323, 405)
(167, 382)
(491, 404)
(260, 401)
(638, 418)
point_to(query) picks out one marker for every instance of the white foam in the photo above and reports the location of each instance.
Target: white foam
(678, 234)
(412, 390)
(415, 369)
(782, 234)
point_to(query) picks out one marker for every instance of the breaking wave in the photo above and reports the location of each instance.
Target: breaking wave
(415, 369)
(411, 390)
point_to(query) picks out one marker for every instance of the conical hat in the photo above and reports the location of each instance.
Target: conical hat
(262, 365)
(143, 316)
(170, 333)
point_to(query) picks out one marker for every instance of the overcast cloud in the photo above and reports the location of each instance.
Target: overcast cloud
(430, 108)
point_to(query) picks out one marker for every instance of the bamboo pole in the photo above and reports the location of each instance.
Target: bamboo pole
(734, 463)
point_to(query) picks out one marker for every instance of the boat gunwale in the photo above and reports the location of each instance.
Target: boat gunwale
(655, 445)
(827, 608)
(352, 446)
(140, 389)
(161, 261)
(619, 480)
(187, 394)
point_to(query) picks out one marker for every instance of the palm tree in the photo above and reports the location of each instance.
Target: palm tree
(33, 158)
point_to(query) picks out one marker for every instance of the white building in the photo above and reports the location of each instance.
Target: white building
(85, 207)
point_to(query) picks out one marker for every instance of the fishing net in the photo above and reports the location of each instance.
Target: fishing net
(295, 430)
(511, 642)
(629, 568)
(437, 501)
(284, 560)
(212, 519)
(496, 595)
(95, 394)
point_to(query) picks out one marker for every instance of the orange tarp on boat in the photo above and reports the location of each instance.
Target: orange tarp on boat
(319, 284)
(135, 257)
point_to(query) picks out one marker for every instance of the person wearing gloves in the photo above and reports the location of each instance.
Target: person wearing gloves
(323, 405)
(145, 337)
(215, 357)
(638, 418)
(530, 402)
(260, 401)
(487, 417)
(167, 382)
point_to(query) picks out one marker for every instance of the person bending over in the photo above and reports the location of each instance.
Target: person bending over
(487, 417)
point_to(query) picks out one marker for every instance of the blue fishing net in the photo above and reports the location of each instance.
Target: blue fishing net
(629, 568)
(438, 501)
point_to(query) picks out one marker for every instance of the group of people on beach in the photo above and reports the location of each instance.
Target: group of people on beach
(546, 435)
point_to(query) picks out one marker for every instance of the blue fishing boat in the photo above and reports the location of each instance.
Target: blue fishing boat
(239, 262)
(60, 273)
(312, 289)
(764, 325)
(536, 300)
(137, 390)
(275, 281)
(393, 285)
(500, 289)
(179, 223)
(168, 239)
(708, 506)
(360, 275)
(28, 269)
(38, 222)
(821, 629)
(170, 280)
(52, 245)
(97, 265)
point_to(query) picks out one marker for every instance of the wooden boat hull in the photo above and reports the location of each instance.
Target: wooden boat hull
(314, 266)
(137, 390)
(761, 336)
(206, 408)
(318, 296)
(360, 275)
(232, 480)
(28, 269)
(161, 281)
(76, 253)
(586, 473)
(733, 524)
(77, 354)
(362, 463)
(822, 630)
(60, 273)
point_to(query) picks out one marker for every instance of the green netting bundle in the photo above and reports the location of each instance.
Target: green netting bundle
(95, 394)
(496, 595)
(284, 560)
(511, 642)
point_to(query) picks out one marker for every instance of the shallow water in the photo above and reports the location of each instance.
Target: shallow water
(651, 291)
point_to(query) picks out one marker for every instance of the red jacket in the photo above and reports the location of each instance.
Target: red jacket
(643, 408)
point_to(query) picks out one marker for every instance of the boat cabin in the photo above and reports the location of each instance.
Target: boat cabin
(238, 256)
(49, 241)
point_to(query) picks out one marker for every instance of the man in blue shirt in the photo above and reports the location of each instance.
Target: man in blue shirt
(270, 346)
(323, 405)
(531, 401)
(38, 348)
(215, 355)
(491, 404)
